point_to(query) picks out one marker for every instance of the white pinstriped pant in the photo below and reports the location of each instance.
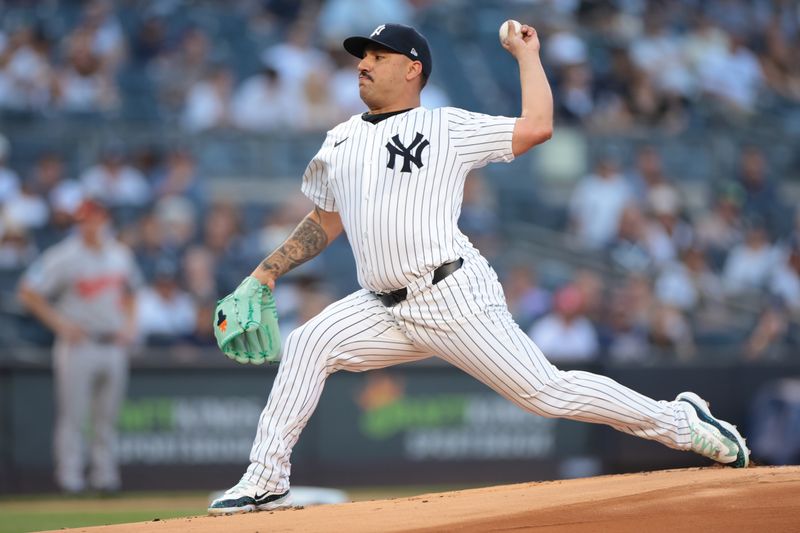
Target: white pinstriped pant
(464, 320)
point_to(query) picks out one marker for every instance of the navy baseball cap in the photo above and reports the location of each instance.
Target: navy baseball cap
(397, 38)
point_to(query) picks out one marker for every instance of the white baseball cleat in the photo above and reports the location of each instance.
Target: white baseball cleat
(245, 497)
(712, 438)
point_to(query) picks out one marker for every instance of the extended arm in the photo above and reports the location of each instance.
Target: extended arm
(535, 124)
(318, 229)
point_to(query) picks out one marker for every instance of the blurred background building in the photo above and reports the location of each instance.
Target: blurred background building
(658, 231)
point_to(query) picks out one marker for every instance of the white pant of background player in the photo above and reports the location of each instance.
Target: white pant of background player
(464, 320)
(90, 381)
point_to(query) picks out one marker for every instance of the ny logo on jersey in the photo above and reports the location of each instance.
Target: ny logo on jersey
(396, 147)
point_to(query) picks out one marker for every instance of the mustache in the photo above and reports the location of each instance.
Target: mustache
(363, 74)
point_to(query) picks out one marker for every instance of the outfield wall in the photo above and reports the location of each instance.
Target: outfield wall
(191, 426)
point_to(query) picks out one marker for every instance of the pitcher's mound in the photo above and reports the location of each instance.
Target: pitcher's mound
(701, 499)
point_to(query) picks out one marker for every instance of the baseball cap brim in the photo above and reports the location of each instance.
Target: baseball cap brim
(357, 46)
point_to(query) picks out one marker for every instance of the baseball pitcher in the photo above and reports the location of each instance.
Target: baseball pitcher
(392, 179)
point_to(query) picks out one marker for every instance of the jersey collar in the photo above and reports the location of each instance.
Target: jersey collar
(374, 119)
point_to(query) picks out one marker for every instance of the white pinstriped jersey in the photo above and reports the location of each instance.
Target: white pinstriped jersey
(398, 186)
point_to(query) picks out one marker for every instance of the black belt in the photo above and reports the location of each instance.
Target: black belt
(390, 299)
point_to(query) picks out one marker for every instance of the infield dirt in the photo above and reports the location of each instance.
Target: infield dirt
(765, 499)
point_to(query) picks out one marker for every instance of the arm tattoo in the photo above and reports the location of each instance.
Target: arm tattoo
(306, 242)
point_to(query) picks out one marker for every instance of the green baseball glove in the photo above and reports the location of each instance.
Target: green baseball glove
(246, 324)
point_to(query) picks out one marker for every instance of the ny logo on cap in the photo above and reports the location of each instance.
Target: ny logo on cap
(378, 30)
(419, 142)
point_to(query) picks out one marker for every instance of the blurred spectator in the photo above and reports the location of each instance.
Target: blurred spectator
(82, 85)
(614, 108)
(703, 41)
(9, 180)
(779, 61)
(592, 289)
(17, 249)
(176, 72)
(761, 196)
(527, 300)
(647, 174)
(637, 293)
(318, 111)
(691, 286)
(107, 38)
(653, 108)
(629, 250)
(180, 178)
(296, 58)
(176, 217)
(597, 203)
(564, 49)
(222, 236)
(720, 229)
(671, 331)
(574, 94)
(623, 336)
(658, 52)
(765, 340)
(62, 194)
(776, 331)
(668, 234)
(198, 275)
(339, 19)
(785, 279)
(733, 76)
(566, 335)
(208, 103)
(25, 71)
(774, 436)
(114, 181)
(26, 210)
(263, 103)
(149, 40)
(149, 245)
(165, 312)
(750, 263)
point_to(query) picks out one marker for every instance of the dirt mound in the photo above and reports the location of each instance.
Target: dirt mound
(704, 499)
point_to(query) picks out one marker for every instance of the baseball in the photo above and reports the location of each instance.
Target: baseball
(504, 29)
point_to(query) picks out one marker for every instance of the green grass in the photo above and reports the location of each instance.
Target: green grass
(37, 513)
(45, 512)
(18, 521)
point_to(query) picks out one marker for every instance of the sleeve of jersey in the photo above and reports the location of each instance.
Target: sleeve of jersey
(45, 275)
(315, 182)
(481, 139)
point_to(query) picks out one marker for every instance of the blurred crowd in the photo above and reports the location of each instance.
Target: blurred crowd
(191, 250)
(720, 274)
(685, 274)
(272, 65)
(673, 64)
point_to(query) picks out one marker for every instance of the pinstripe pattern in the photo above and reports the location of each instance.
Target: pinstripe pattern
(401, 227)
(394, 245)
